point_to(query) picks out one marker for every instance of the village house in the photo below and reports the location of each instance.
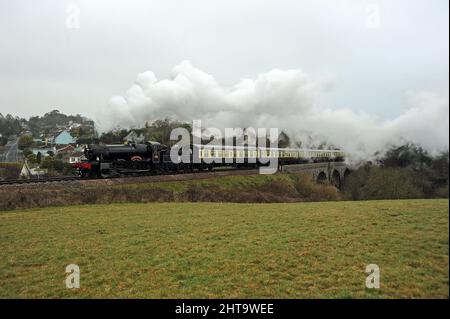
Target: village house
(63, 152)
(76, 157)
(30, 171)
(66, 149)
(64, 138)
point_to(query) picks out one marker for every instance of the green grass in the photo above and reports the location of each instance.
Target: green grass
(224, 182)
(205, 250)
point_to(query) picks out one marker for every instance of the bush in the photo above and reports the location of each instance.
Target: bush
(309, 190)
(10, 170)
(25, 141)
(442, 192)
(3, 140)
(428, 173)
(32, 158)
(372, 182)
(26, 152)
(192, 193)
(57, 166)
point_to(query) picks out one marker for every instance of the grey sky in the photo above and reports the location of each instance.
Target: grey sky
(45, 65)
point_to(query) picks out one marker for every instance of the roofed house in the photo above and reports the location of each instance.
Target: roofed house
(68, 149)
(76, 157)
(64, 138)
(28, 171)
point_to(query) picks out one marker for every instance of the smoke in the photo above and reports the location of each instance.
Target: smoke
(288, 100)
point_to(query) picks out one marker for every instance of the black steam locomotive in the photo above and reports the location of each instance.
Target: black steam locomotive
(155, 158)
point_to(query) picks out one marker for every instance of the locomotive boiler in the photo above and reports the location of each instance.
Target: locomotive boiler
(129, 151)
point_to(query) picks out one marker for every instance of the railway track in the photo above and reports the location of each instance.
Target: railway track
(162, 177)
(39, 180)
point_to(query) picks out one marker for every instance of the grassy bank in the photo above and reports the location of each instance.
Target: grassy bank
(297, 250)
(256, 188)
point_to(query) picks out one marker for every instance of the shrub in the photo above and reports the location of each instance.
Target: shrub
(371, 182)
(10, 170)
(57, 166)
(26, 152)
(442, 192)
(25, 141)
(309, 190)
(32, 158)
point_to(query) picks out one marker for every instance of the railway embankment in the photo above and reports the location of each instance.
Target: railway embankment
(237, 186)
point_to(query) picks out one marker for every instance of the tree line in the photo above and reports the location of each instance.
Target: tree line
(406, 171)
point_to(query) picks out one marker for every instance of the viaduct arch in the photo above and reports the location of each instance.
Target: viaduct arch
(331, 172)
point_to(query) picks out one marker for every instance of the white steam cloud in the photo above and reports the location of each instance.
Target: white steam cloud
(287, 100)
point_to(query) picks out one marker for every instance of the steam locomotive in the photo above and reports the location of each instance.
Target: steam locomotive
(155, 158)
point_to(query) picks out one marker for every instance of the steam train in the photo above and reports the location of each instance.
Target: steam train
(155, 158)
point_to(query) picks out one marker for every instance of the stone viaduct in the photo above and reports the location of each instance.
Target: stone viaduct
(333, 172)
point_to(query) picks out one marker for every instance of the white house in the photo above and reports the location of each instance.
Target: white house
(76, 157)
(29, 172)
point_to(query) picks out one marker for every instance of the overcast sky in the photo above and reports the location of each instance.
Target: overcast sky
(75, 55)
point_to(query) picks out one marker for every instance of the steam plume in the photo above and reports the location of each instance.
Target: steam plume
(287, 100)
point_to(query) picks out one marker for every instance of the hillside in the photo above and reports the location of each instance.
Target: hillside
(204, 250)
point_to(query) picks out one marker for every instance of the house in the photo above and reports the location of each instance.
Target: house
(64, 138)
(32, 172)
(68, 149)
(76, 157)
(64, 152)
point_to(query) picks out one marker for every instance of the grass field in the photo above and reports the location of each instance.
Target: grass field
(205, 250)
